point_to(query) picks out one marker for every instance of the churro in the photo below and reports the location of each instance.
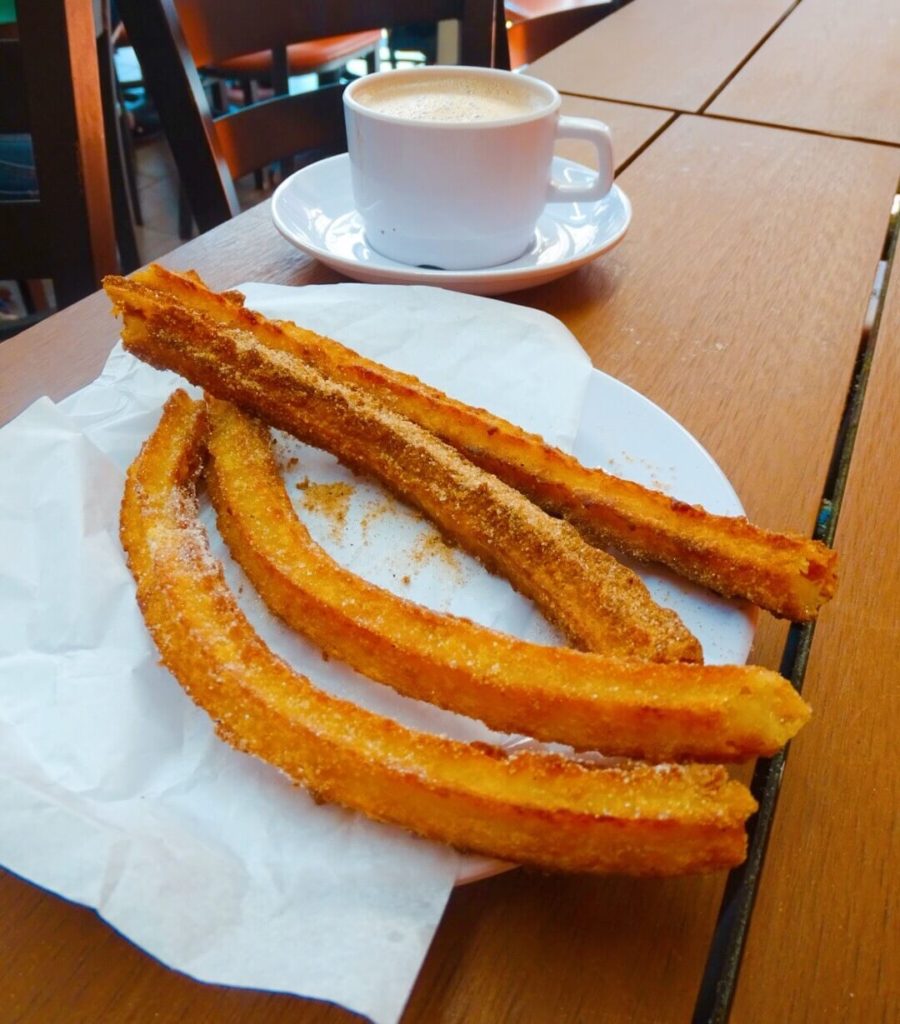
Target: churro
(598, 603)
(541, 809)
(627, 708)
(788, 574)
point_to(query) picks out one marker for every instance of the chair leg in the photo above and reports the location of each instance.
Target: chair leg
(120, 160)
(130, 160)
(185, 217)
(34, 295)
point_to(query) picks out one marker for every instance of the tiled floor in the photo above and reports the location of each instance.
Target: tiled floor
(157, 183)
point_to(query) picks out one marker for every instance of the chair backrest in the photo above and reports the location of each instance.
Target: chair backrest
(173, 38)
(50, 98)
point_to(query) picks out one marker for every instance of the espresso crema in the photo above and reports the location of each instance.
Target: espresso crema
(456, 99)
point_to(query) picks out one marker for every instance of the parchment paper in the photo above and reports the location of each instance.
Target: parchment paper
(114, 790)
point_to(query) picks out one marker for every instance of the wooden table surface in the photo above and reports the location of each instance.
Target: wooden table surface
(739, 302)
(832, 67)
(662, 53)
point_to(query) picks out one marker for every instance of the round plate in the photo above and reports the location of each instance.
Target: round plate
(625, 433)
(313, 209)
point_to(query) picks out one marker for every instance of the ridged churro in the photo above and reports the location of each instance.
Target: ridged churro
(627, 708)
(790, 575)
(597, 603)
(530, 808)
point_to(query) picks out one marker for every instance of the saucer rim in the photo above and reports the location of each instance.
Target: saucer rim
(392, 271)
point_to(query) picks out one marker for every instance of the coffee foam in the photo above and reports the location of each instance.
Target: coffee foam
(452, 99)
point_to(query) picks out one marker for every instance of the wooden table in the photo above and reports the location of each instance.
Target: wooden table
(662, 53)
(741, 301)
(831, 68)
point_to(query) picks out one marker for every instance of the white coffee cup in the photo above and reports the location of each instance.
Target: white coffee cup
(451, 166)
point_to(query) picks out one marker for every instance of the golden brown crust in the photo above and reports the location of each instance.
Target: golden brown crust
(598, 603)
(790, 575)
(658, 712)
(530, 808)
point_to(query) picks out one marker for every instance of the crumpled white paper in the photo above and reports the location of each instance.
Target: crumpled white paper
(114, 790)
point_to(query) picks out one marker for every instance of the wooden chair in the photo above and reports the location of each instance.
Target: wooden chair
(266, 73)
(173, 38)
(534, 27)
(50, 93)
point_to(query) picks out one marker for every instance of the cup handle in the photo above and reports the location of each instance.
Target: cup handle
(597, 133)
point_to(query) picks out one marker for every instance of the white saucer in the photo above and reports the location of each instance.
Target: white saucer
(313, 209)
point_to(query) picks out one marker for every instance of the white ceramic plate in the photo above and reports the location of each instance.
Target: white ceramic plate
(154, 805)
(313, 209)
(624, 433)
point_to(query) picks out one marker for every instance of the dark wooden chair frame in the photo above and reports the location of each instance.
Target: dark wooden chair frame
(172, 38)
(50, 89)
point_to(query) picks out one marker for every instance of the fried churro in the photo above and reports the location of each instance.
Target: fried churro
(597, 603)
(540, 809)
(790, 575)
(626, 708)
